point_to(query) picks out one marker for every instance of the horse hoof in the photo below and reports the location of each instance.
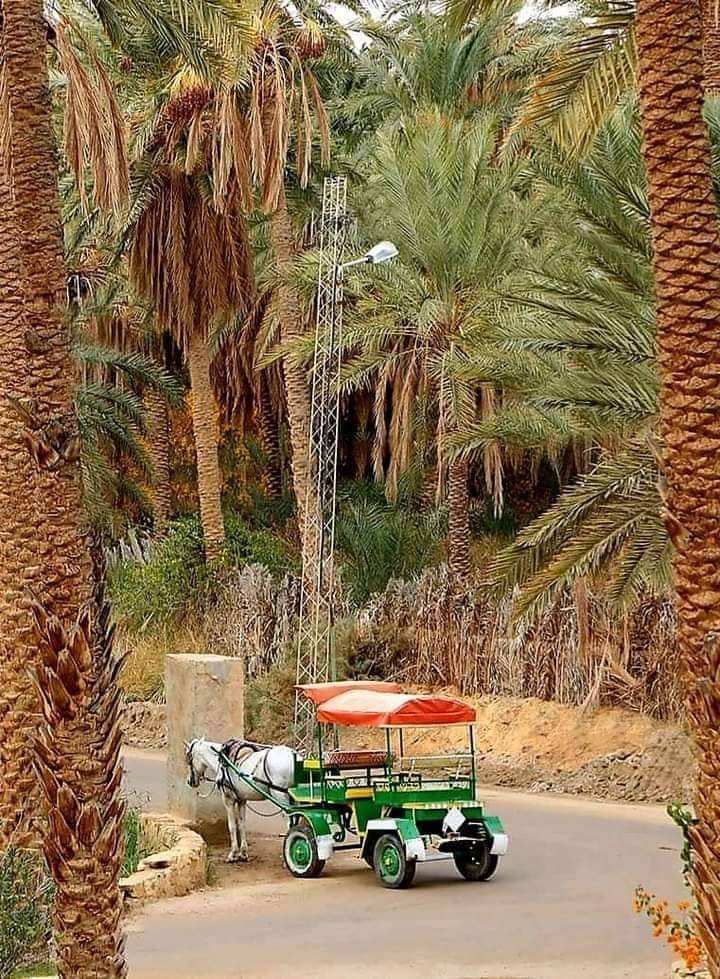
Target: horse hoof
(233, 858)
(244, 857)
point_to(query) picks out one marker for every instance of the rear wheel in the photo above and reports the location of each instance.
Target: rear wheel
(300, 853)
(391, 863)
(476, 862)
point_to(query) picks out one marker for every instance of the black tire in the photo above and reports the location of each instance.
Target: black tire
(391, 864)
(476, 862)
(300, 853)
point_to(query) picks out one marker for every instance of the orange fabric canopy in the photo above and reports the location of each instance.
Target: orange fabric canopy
(373, 708)
(320, 692)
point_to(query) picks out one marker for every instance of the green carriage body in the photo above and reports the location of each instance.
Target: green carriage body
(389, 808)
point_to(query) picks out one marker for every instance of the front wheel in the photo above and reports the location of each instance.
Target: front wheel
(391, 863)
(476, 862)
(300, 853)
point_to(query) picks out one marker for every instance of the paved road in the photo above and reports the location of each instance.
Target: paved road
(559, 908)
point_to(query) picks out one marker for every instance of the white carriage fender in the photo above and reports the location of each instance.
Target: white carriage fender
(325, 847)
(415, 849)
(500, 844)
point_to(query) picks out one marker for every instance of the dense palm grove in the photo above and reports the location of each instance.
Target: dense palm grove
(529, 393)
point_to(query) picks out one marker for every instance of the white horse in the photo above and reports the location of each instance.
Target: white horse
(270, 768)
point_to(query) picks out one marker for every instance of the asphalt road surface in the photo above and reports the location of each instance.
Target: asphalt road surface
(560, 906)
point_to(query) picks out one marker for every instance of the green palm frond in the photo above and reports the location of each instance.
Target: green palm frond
(134, 367)
(592, 523)
(587, 79)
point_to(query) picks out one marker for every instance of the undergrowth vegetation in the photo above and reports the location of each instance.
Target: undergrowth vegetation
(176, 583)
(26, 894)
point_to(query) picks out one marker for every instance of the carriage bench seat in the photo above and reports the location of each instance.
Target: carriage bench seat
(355, 759)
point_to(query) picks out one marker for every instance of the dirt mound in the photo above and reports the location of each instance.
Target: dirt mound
(661, 772)
(544, 746)
(144, 725)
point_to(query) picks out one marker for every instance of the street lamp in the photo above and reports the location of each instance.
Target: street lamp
(384, 251)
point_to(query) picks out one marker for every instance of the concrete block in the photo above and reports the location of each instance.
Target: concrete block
(204, 696)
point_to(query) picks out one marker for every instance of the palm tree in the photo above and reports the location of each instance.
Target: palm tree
(665, 41)
(76, 741)
(426, 315)
(577, 359)
(285, 109)
(686, 263)
(191, 262)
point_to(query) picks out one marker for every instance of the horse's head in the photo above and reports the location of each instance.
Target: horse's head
(197, 762)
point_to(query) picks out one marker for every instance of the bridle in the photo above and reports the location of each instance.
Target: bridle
(195, 779)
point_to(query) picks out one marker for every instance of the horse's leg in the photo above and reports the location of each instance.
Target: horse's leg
(241, 810)
(232, 821)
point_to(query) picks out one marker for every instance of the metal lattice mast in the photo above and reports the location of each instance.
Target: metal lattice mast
(315, 635)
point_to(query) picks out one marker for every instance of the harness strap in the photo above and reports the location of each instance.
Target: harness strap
(224, 780)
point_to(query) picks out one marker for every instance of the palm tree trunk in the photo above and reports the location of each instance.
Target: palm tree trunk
(711, 48)
(206, 430)
(158, 427)
(19, 795)
(687, 284)
(270, 434)
(459, 530)
(75, 742)
(291, 326)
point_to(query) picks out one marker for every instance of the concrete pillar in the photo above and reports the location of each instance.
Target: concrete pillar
(204, 699)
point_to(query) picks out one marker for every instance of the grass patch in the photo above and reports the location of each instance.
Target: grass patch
(134, 851)
(42, 969)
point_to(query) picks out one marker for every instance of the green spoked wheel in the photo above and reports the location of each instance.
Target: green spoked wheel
(476, 862)
(391, 863)
(300, 853)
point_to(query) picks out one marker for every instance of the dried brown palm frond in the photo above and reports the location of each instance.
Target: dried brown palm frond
(284, 98)
(230, 156)
(94, 129)
(492, 457)
(189, 260)
(383, 387)
(400, 440)
(235, 379)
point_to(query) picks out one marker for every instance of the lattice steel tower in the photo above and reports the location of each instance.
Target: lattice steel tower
(315, 649)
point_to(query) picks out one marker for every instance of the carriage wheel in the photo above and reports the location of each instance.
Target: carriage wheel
(476, 862)
(391, 863)
(300, 853)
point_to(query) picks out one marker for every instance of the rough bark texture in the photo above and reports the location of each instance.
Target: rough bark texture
(158, 428)
(270, 433)
(687, 283)
(18, 567)
(206, 430)
(66, 641)
(459, 531)
(40, 523)
(711, 47)
(296, 385)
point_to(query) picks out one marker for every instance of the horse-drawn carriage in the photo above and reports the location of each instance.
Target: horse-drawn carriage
(395, 809)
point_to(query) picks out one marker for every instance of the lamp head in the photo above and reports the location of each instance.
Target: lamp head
(384, 251)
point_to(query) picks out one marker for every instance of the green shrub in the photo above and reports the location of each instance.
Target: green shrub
(246, 546)
(177, 582)
(380, 541)
(26, 894)
(166, 588)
